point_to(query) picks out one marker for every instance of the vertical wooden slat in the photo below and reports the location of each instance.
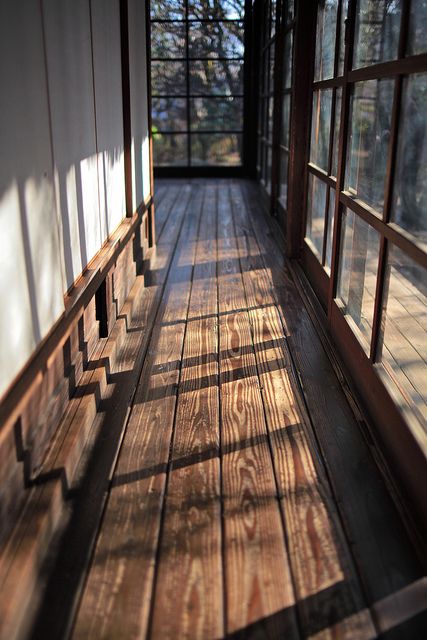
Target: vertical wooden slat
(151, 209)
(127, 132)
(381, 291)
(304, 41)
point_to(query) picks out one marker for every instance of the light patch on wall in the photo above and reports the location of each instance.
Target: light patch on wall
(44, 251)
(114, 163)
(146, 167)
(16, 344)
(91, 216)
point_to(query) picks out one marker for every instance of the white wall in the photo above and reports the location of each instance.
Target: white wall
(138, 97)
(109, 111)
(62, 188)
(70, 80)
(31, 286)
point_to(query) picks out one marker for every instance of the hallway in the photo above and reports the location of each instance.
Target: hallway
(231, 488)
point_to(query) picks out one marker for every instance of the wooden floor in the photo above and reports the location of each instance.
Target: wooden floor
(242, 499)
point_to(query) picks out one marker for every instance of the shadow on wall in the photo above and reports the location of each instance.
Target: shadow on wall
(62, 187)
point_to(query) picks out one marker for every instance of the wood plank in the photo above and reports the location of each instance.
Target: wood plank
(386, 563)
(188, 600)
(259, 592)
(166, 207)
(127, 544)
(324, 576)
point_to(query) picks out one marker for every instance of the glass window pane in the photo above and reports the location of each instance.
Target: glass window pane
(167, 9)
(320, 128)
(168, 40)
(288, 10)
(344, 10)
(170, 149)
(273, 15)
(270, 119)
(169, 114)
(287, 61)
(409, 207)
(417, 39)
(357, 276)
(218, 9)
(216, 40)
(330, 229)
(325, 39)
(283, 185)
(168, 78)
(268, 169)
(316, 205)
(286, 110)
(216, 149)
(403, 344)
(220, 114)
(338, 96)
(377, 31)
(266, 70)
(218, 77)
(370, 119)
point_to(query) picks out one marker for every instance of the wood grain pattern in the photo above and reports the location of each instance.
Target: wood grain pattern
(127, 544)
(188, 600)
(259, 588)
(318, 555)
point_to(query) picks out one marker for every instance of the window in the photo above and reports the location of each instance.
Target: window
(197, 71)
(366, 220)
(278, 20)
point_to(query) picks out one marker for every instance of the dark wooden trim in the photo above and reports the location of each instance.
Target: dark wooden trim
(250, 102)
(330, 83)
(322, 175)
(127, 130)
(403, 66)
(200, 172)
(381, 285)
(151, 209)
(76, 300)
(317, 275)
(303, 60)
(415, 249)
(342, 148)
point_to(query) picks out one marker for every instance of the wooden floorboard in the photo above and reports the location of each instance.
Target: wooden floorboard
(386, 562)
(325, 580)
(126, 551)
(188, 599)
(259, 591)
(230, 492)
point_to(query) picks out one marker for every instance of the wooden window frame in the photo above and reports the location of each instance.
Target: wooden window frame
(189, 170)
(397, 428)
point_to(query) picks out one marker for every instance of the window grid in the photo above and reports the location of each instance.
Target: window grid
(192, 131)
